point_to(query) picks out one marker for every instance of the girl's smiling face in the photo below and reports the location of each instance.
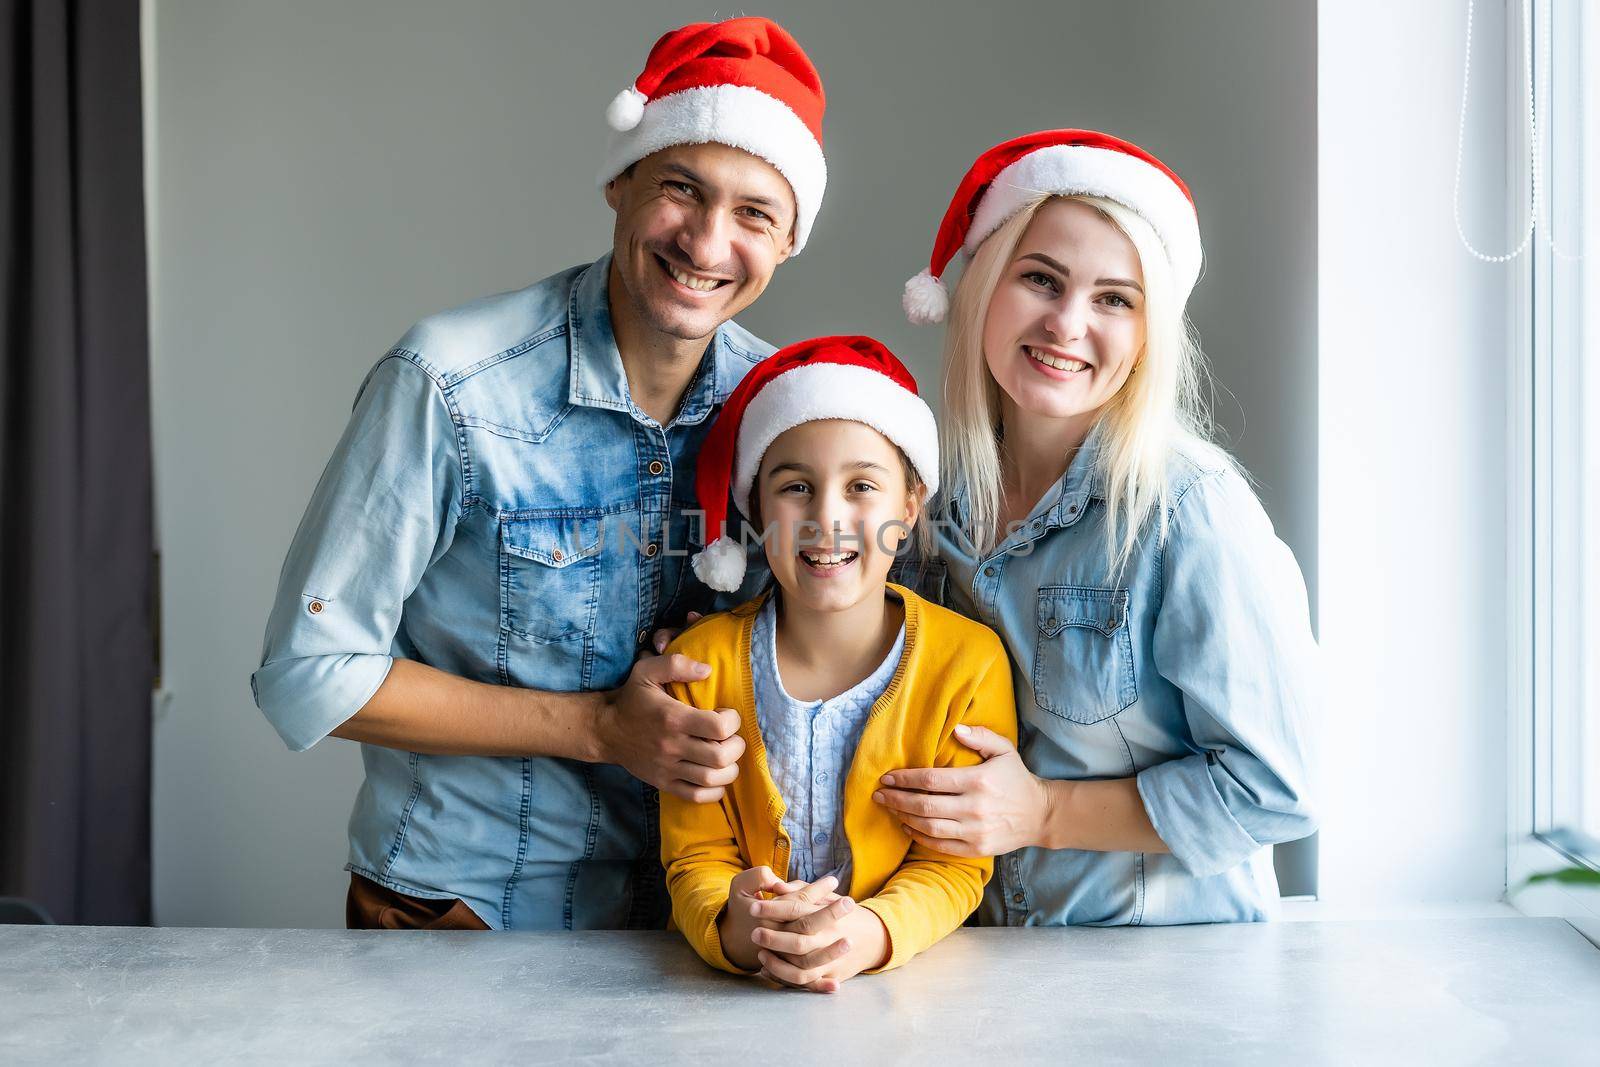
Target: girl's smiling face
(1066, 323)
(836, 498)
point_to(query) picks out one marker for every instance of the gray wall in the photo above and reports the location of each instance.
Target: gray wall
(323, 174)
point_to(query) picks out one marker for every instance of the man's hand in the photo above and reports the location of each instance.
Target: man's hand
(685, 751)
(667, 634)
(987, 810)
(747, 896)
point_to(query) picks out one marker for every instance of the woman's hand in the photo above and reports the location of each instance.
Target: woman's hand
(821, 950)
(988, 810)
(747, 898)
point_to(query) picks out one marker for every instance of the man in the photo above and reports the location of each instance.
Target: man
(506, 522)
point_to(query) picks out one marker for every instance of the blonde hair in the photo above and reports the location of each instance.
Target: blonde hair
(1157, 411)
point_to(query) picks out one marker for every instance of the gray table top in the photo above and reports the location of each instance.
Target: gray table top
(1436, 991)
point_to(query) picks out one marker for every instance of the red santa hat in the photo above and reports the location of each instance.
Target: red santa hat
(743, 82)
(853, 378)
(1058, 163)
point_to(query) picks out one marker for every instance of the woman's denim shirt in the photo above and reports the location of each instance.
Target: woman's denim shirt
(1192, 672)
(500, 509)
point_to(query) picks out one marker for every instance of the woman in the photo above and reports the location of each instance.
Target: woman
(1158, 627)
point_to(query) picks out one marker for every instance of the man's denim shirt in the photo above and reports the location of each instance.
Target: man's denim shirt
(500, 509)
(1193, 672)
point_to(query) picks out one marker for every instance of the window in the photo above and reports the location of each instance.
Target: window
(1555, 458)
(1566, 446)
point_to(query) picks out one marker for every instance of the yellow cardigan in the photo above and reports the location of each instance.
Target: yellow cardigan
(952, 671)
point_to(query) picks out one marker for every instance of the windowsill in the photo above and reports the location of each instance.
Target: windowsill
(1580, 909)
(1304, 910)
(1578, 905)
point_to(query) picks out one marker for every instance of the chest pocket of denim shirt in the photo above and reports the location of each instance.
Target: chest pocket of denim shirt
(549, 576)
(1083, 663)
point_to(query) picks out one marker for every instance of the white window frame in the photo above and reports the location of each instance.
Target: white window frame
(1536, 598)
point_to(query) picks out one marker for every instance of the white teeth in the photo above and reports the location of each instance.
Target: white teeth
(699, 285)
(826, 559)
(1052, 361)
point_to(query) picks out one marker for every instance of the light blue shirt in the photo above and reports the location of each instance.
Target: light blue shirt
(1193, 672)
(810, 744)
(501, 509)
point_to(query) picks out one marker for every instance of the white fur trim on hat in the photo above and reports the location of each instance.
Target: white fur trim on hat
(1065, 170)
(720, 565)
(737, 116)
(818, 391)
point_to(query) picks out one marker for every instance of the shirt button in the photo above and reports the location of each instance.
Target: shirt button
(315, 607)
(1050, 622)
(819, 839)
(1072, 509)
(988, 572)
(656, 466)
(1018, 898)
(1037, 524)
(557, 556)
(822, 776)
(644, 635)
(651, 549)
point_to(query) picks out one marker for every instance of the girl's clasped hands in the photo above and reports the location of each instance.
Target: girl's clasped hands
(800, 934)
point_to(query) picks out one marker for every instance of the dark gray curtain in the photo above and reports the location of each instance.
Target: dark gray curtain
(76, 590)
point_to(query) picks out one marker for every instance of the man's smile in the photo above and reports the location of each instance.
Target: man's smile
(698, 283)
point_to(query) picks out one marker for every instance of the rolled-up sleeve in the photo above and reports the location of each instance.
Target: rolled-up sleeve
(385, 509)
(1233, 634)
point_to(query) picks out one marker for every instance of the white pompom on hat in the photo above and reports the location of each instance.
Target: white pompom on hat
(846, 377)
(1058, 163)
(743, 82)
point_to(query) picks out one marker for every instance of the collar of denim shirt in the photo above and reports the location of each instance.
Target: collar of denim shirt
(596, 376)
(1065, 501)
(1081, 483)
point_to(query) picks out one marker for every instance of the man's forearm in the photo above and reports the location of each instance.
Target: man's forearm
(422, 709)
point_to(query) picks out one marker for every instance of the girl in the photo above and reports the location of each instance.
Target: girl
(837, 677)
(1163, 647)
